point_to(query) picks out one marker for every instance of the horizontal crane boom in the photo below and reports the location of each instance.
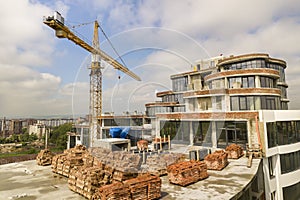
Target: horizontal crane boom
(63, 31)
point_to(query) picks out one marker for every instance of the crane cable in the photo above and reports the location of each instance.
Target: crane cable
(112, 46)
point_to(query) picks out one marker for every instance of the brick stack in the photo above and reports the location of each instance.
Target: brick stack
(234, 151)
(44, 157)
(63, 163)
(144, 187)
(113, 191)
(86, 181)
(217, 160)
(142, 145)
(187, 172)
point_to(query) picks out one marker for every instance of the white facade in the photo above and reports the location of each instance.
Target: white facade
(276, 179)
(38, 129)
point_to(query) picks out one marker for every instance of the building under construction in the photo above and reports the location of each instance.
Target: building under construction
(241, 100)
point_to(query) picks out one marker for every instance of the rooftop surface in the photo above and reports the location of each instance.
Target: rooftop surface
(28, 181)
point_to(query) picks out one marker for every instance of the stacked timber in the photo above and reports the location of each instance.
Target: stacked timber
(63, 163)
(142, 145)
(217, 160)
(44, 157)
(234, 151)
(187, 172)
(143, 187)
(157, 164)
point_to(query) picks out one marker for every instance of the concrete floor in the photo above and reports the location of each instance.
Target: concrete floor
(28, 181)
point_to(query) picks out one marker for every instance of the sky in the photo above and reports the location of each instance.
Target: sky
(43, 75)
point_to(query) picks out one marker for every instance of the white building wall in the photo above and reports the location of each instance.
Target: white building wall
(280, 180)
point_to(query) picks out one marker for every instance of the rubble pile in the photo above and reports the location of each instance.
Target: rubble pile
(63, 163)
(142, 145)
(144, 187)
(217, 160)
(234, 151)
(187, 172)
(44, 157)
(157, 164)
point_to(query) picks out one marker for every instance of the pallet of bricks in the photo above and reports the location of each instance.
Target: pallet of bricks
(157, 164)
(144, 187)
(108, 167)
(187, 172)
(217, 160)
(85, 181)
(63, 163)
(44, 157)
(234, 151)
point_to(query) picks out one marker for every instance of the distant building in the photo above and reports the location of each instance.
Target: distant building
(38, 129)
(55, 122)
(236, 99)
(15, 127)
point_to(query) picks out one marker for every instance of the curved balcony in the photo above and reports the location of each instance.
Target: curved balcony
(246, 72)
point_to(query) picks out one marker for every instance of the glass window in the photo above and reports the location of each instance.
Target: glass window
(263, 102)
(243, 103)
(271, 134)
(250, 103)
(291, 192)
(271, 167)
(251, 83)
(245, 82)
(234, 101)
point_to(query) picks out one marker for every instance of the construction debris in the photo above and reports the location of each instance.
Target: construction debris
(234, 151)
(217, 160)
(44, 157)
(187, 172)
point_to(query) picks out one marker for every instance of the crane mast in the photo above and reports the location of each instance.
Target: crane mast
(56, 22)
(95, 90)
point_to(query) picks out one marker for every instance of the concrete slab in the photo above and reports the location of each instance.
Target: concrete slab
(28, 181)
(220, 185)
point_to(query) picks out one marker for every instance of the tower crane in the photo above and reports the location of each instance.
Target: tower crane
(56, 22)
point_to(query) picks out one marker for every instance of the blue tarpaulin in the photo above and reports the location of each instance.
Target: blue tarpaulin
(119, 132)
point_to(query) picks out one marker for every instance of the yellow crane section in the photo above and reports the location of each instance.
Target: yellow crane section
(62, 31)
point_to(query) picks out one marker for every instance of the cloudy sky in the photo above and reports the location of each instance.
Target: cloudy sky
(43, 75)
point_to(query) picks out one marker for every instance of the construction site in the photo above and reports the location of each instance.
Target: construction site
(224, 131)
(98, 173)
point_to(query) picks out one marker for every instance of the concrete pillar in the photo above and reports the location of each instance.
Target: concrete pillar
(213, 134)
(157, 127)
(191, 133)
(257, 82)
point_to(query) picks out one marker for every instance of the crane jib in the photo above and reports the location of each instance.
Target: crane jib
(63, 31)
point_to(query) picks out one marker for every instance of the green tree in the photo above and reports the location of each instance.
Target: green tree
(59, 136)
